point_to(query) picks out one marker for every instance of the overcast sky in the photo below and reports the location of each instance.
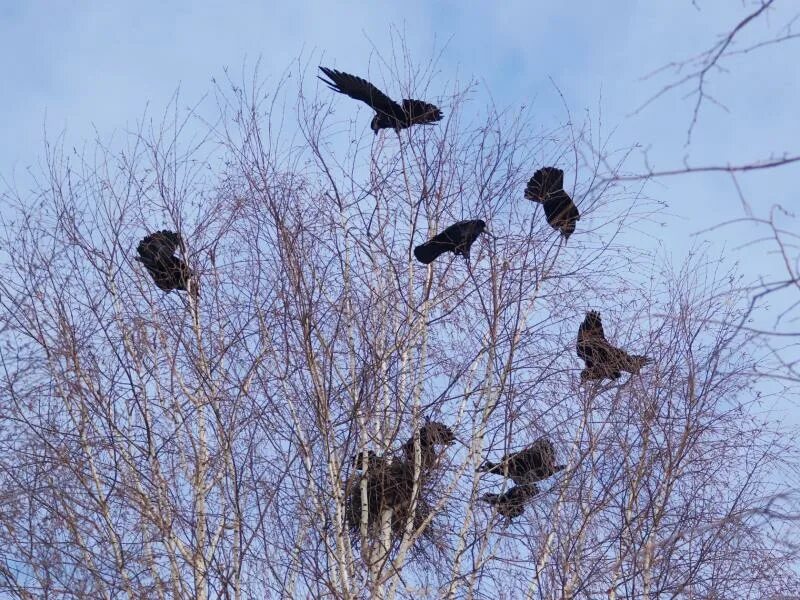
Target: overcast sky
(81, 66)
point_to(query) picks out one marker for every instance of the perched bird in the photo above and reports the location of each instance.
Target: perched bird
(389, 483)
(547, 187)
(388, 113)
(602, 359)
(511, 503)
(431, 434)
(373, 461)
(156, 253)
(534, 463)
(457, 238)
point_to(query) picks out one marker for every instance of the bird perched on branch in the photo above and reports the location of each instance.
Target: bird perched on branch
(388, 483)
(603, 360)
(373, 461)
(431, 434)
(156, 253)
(511, 503)
(534, 463)
(388, 113)
(547, 187)
(458, 238)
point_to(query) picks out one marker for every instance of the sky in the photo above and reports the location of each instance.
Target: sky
(86, 68)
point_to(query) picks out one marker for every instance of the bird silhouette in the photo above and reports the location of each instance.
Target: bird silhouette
(458, 238)
(390, 481)
(547, 187)
(511, 503)
(603, 361)
(156, 253)
(388, 113)
(534, 463)
(431, 434)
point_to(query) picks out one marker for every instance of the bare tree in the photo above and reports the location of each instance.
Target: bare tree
(757, 32)
(236, 442)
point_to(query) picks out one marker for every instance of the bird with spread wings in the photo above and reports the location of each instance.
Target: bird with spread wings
(603, 361)
(388, 113)
(547, 187)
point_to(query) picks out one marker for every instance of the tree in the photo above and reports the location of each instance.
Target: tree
(200, 446)
(763, 31)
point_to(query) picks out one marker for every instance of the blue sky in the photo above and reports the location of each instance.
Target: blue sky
(85, 66)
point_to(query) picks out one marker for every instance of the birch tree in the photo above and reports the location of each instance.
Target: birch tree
(173, 445)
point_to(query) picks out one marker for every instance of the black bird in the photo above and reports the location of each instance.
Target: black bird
(156, 254)
(602, 359)
(457, 238)
(430, 435)
(373, 461)
(547, 187)
(388, 113)
(534, 463)
(511, 503)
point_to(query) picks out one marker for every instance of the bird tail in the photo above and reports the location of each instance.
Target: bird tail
(427, 252)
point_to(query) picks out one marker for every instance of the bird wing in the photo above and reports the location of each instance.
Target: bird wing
(561, 211)
(591, 339)
(545, 456)
(159, 246)
(464, 233)
(419, 112)
(361, 89)
(545, 181)
(156, 254)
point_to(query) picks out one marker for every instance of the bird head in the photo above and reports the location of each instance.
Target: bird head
(358, 459)
(434, 432)
(375, 124)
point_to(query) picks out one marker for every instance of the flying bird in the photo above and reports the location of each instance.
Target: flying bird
(534, 463)
(156, 253)
(388, 113)
(602, 359)
(547, 187)
(431, 434)
(511, 503)
(457, 238)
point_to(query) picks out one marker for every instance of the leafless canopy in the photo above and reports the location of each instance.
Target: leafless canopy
(168, 445)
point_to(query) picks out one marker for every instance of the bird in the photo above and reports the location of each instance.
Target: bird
(156, 253)
(373, 460)
(534, 463)
(457, 238)
(388, 113)
(511, 503)
(388, 482)
(547, 187)
(603, 361)
(431, 434)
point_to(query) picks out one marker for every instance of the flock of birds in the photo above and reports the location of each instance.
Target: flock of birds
(385, 481)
